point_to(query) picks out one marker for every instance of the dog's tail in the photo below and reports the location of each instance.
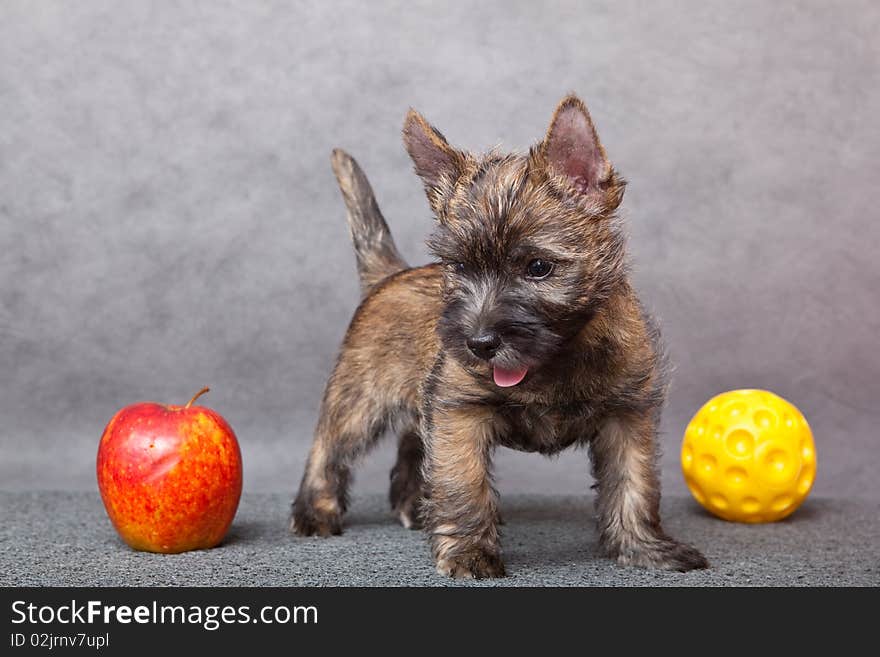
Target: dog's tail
(377, 256)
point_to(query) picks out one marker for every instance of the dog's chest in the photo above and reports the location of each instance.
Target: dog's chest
(545, 429)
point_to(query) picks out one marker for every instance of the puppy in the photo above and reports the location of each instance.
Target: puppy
(525, 333)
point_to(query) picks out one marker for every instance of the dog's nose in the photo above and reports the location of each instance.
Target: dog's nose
(485, 344)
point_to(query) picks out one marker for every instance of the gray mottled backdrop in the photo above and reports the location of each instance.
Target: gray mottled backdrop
(168, 218)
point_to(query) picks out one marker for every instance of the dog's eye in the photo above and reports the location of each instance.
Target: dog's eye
(459, 267)
(539, 269)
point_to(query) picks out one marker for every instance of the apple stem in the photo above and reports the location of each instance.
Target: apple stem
(197, 395)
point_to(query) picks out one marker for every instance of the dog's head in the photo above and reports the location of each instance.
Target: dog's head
(530, 244)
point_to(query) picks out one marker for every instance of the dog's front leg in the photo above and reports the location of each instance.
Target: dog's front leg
(624, 457)
(461, 510)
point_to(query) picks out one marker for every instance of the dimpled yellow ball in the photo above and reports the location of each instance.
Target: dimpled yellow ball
(748, 456)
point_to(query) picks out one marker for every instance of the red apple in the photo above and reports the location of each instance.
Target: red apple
(170, 476)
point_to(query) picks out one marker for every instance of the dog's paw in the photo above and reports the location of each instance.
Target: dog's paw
(308, 521)
(409, 517)
(409, 510)
(407, 497)
(476, 563)
(665, 554)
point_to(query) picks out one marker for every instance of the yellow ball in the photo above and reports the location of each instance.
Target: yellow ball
(748, 456)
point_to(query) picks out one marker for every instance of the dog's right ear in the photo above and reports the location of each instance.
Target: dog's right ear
(572, 148)
(436, 162)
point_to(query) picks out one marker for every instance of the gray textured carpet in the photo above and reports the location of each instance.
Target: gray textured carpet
(58, 538)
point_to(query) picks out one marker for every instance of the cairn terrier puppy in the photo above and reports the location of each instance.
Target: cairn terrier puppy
(526, 334)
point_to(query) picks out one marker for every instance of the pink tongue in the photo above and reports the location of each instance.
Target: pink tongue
(508, 378)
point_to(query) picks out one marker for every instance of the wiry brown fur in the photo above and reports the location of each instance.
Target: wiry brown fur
(595, 367)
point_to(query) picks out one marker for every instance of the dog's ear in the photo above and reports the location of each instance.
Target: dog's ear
(572, 148)
(433, 157)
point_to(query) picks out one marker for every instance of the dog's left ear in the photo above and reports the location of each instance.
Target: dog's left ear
(572, 148)
(434, 159)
